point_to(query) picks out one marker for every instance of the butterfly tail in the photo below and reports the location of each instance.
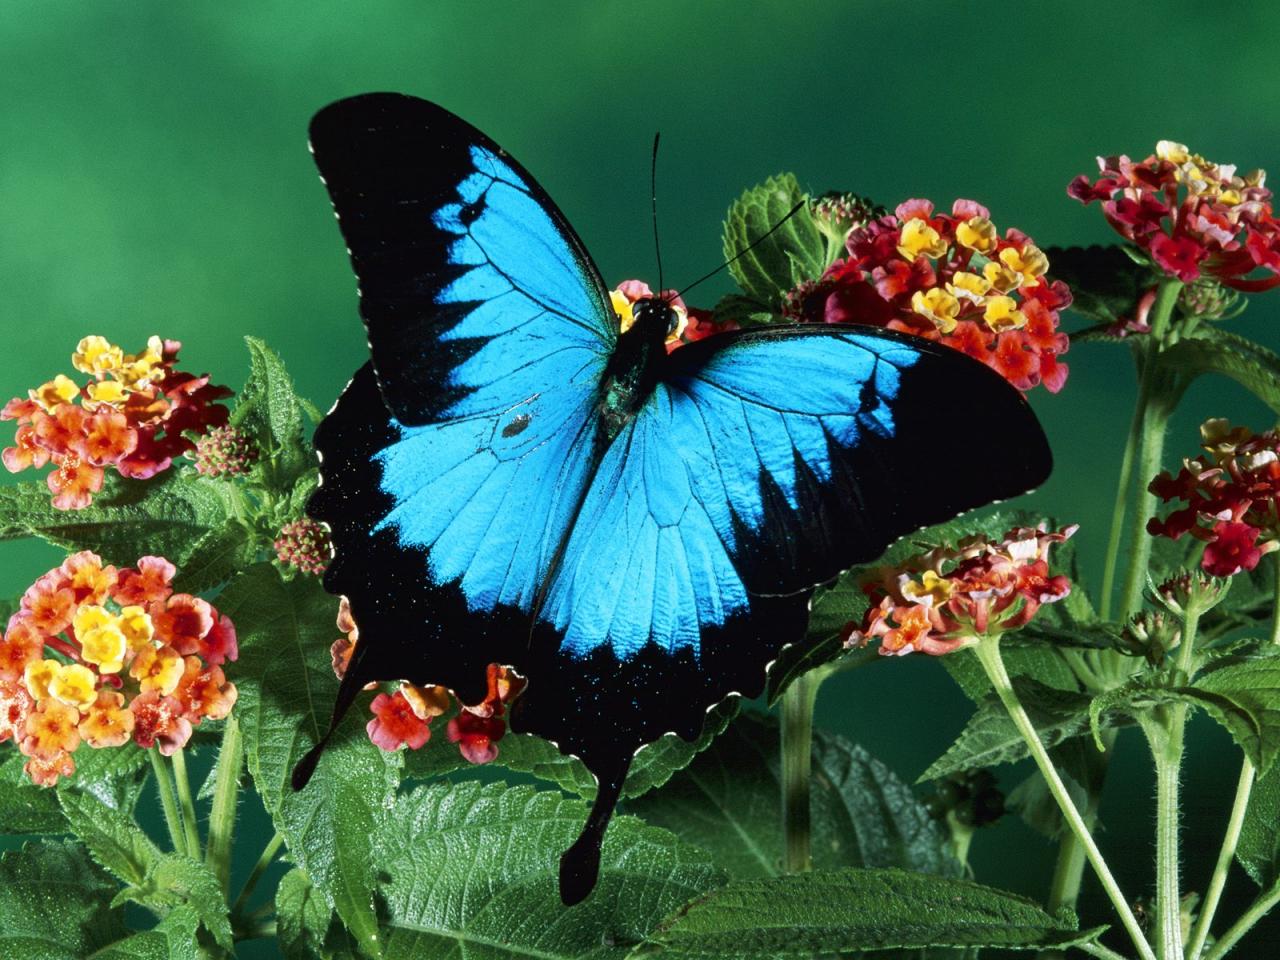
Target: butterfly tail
(580, 864)
(353, 681)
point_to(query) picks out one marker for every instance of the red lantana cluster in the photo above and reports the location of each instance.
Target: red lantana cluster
(133, 414)
(304, 544)
(1232, 497)
(103, 656)
(948, 598)
(404, 717)
(952, 279)
(1194, 218)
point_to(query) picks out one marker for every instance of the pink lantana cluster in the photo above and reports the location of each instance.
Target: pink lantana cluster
(134, 414)
(1193, 217)
(403, 718)
(949, 278)
(103, 656)
(1232, 496)
(950, 597)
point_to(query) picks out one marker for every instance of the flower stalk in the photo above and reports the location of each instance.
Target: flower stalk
(186, 802)
(222, 815)
(987, 650)
(797, 755)
(168, 803)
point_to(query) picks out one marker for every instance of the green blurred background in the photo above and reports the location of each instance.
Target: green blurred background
(154, 178)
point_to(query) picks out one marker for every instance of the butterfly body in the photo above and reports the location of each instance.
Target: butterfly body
(514, 479)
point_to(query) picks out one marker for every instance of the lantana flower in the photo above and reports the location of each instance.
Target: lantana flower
(134, 415)
(103, 656)
(1194, 218)
(304, 545)
(949, 598)
(1232, 497)
(403, 717)
(952, 279)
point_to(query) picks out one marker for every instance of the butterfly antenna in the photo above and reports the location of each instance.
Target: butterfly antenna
(653, 195)
(742, 253)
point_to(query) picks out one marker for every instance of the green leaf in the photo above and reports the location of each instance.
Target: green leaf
(114, 840)
(269, 412)
(792, 254)
(1106, 284)
(1245, 698)
(727, 802)
(991, 738)
(1214, 350)
(174, 938)
(654, 764)
(24, 807)
(305, 923)
(174, 880)
(287, 689)
(216, 557)
(463, 862)
(1259, 848)
(744, 311)
(53, 903)
(113, 776)
(166, 515)
(798, 915)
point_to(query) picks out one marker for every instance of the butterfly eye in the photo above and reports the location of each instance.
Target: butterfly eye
(677, 319)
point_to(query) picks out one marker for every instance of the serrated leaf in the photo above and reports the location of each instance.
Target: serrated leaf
(990, 737)
(114, 840)
(306, 926)
(1259, 848)
(216, 557)
(462, 861)
(114, 776)
(1106, 284)
(744, 311)
(287, 689)
(800, 914)
(174, 938)
(654, 764)
(1245, 698)
(795, 252)
(727, 802)
(166, 515)
(269, 412)
(24, 807)
(53, 903)
(174, 879)
(1214, 350)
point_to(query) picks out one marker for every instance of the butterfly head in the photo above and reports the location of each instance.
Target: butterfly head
(657, 318)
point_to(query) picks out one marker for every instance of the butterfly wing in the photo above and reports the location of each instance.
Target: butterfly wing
(764, 463)
(453, 463)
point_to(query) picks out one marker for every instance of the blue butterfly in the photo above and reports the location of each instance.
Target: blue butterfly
(511, 479)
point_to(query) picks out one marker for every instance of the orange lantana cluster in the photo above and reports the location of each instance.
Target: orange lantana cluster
(404, 717)
(949, 598)
(103, 656)
(133, 414)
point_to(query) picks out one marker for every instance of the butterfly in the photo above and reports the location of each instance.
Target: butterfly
(514, 479)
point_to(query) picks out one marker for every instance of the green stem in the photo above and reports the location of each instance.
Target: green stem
(1122, 498)
(226, 791)
(164, 787)
(1219, 880)
(1261, 907)
(1064, 889)
(1166, 747)
(1244, 789)
(988, 652)
(1153, 412)
(264, 862)
(1098, 950)
(183, 782)
(797, 751)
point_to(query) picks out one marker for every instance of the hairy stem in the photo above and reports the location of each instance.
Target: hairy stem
(797, 751)
(1153, 411)
(1261, 907)
(226, 792)
(1166, 747)
(1123, 483)
(1213, 895)
(183, 782)
(164, 787)
(988, 651)
(264, 862)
